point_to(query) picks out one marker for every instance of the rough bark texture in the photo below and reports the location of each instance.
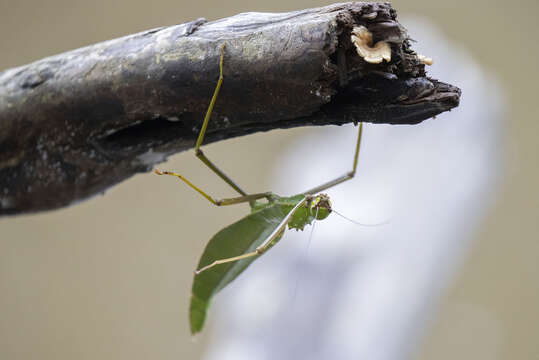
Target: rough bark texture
(74, 124)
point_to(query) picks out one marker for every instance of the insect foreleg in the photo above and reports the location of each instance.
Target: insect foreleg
(260, 248)
(344, 177)
(227, 260)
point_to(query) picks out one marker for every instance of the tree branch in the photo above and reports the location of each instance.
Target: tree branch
(74, 124)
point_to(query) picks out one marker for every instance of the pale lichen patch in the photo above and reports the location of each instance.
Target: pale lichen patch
(362, 39)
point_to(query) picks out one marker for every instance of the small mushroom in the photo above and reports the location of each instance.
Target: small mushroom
(425, 60)
(362, 39)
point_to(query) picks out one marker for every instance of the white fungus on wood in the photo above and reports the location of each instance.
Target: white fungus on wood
(362, 39)
(425, 60)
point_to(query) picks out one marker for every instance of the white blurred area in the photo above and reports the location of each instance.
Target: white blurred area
(370, 292)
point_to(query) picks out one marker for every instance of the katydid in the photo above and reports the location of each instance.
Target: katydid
(235, 247)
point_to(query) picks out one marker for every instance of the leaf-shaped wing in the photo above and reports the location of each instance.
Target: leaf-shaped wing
(236, 239)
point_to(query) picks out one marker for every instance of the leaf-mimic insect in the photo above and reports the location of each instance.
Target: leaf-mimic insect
(234, 248)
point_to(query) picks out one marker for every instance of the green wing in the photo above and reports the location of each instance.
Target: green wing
(239, 238)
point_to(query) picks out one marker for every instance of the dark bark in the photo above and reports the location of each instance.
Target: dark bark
(74, 124)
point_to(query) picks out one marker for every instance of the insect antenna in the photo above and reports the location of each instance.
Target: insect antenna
(357, 222)
(311, 233)
(296, 285)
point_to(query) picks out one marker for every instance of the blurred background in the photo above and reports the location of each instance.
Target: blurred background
(452, 275)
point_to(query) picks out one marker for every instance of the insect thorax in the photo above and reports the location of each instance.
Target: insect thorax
(316, 206)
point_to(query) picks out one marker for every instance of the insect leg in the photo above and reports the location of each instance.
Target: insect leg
(262, 247)
(218, 202)
(199, 154)
(346, 176)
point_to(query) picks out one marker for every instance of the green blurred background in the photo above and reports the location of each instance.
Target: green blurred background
(82, 282)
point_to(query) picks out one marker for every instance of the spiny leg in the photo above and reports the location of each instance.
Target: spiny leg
(221, 202)
(262, 247)
(346, 176)
(199, 154)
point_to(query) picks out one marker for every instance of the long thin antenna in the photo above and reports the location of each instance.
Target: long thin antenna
(296, 286)
(356, 222)
(311, 234)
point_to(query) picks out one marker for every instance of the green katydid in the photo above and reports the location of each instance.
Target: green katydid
(234, 248)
